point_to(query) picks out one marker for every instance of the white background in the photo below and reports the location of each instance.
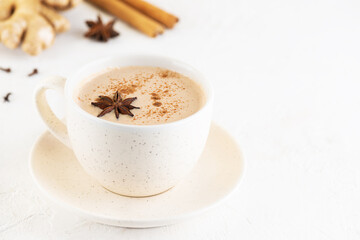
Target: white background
(286, 75)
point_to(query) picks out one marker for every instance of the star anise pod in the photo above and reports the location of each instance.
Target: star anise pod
(117, 104)
(99, 31)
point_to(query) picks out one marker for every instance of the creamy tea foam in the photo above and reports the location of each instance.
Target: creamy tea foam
(163, 96)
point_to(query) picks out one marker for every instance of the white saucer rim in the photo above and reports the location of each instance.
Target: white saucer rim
(152, 222)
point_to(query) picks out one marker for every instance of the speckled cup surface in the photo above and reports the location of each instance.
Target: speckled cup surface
(130, 160)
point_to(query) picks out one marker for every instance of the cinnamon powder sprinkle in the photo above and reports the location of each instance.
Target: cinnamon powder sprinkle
(155, 96)
(164, 74)
(126, 90)
(168, 73)
(158, 96)
(157, 104)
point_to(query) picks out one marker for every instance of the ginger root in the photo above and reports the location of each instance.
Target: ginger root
(32, 23)
(61, 4)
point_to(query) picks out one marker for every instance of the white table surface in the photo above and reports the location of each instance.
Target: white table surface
(287, 80)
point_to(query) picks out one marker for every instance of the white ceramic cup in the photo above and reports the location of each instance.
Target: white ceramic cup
(131, 160)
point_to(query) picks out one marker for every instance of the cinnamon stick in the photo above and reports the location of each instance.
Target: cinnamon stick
(130, 15)
(154, 12)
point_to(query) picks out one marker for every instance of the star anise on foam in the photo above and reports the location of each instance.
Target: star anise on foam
(117, 104)
(99, 31)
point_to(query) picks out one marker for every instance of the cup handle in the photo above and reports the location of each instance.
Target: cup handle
(54, 124)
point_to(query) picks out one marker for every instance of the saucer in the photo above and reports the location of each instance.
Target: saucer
(60, 177)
